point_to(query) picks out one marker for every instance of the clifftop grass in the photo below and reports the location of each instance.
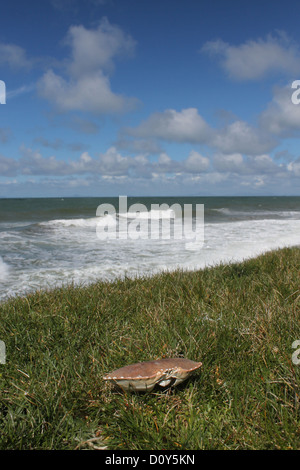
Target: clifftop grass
(240, 320)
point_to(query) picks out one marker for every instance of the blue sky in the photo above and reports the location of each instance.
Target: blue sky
(168, 97)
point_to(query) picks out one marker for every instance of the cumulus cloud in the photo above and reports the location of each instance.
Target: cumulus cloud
(196, 163)
(90, 93)
(233, 163)
(255, 59)
(85, 86)
(164, 166)
(187, 126)
(281, 117)
(240, 137)
(239, 164)
(94, 49)
(113, 163)
(263, 164)
(258, 170)
(108, 163)
(176, 126)
(231, 171)
(33, 162)
(294, 167)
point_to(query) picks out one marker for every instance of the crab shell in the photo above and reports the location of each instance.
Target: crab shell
(143, 376)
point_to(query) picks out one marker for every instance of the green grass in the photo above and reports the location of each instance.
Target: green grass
(240, 320)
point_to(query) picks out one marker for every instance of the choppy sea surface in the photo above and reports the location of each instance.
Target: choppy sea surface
(51, 242)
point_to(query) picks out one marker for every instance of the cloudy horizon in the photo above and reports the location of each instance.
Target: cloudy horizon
(120, 97)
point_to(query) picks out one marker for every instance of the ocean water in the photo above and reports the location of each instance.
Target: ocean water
(51, 242)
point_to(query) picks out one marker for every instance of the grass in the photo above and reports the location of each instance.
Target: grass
(240, 320)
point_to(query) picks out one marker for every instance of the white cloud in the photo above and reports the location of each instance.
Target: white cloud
(233, 163)
(32, 162)
(89, 93)
(239, 137)
(176, 126)
(187, 126)
(113, 163)
(86, 84)
(196, 163)
(238, 164)
(234, 170)
(255, 59)
(164, 165)
(281, 117)
(294, 167)
(94, 49)
(263, 164)
(164, 159)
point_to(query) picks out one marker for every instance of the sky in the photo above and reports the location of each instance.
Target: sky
(149, 98)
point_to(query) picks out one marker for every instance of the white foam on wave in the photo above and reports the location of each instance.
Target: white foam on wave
(69, 226)
(92, 222)
(231, 242)
(72, 252)
(4, 270)
(258, 213)
(151, 214)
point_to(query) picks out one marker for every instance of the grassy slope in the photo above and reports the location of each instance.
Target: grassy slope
(239, 320)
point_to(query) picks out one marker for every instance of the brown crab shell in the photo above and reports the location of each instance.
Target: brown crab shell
(143, 376)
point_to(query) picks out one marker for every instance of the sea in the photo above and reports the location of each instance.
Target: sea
(54, 242)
